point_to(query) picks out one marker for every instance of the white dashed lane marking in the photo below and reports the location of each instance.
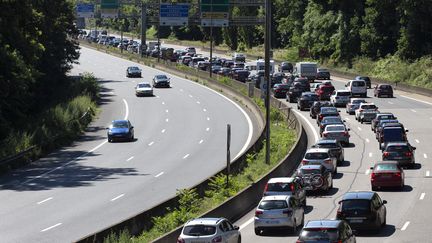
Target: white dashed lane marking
(166, 111)
(151, 143)
(413, 110)
(422, 196)
(417, 141)
(187, 155)
(45, 200)
(405, 226)
(198, 102)
(425, 156)
(191, 96)
(119, 196)
(359, 128)
(204, 110)
(367, 140)
(51, 227)
(167, 120)
(370, 154)
(163, 131)
(163, 103)
(131, 158)
(427, 173)
(201, 141)
(391, 103)
(208, 118)
(159, 174)
(367, 172)
(208, 129)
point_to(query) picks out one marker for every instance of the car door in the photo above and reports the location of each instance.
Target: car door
(300, 191)
(233, 232)
(227, 231)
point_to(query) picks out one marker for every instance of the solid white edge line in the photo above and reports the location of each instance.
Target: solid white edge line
(422, 196)
(309, 124)
(249, 221)
(405, 226)
(166, 111)
(45, 200)
(127, 109)
(413, 110)
(51, 227)
(130, 158)
(208, 129)
(208, 118)
(187, 155)
(159, 174)
(167, 120)
(119, 196)
(204, 110)
(248, 119)
(359, 128)
(422, 101)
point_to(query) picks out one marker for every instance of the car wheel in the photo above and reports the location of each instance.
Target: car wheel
(384, 223)
(304, 202)
(374, 188)
(361, 121)
(294, 228)
(239, 239)
(257, 231)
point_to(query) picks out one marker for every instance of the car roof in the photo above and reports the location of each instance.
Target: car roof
(308, 93)
(281, 179)
(367, 195)
(387, 162)
(317, 150)
(311, 167)
(332, 117)
(327, 223)
(397, 144)
(326, 141)
(205, 221)
(276, 197)
(145, 82)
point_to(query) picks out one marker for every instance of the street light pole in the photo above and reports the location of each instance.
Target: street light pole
(143, 27)
(267, 41)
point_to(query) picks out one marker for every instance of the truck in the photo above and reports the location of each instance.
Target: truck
(308, 70)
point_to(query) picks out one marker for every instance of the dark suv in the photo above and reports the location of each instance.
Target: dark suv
(383, 90)
(334, 146)
(316, 107)
(306, 100)
(363, 210)
(392, 134)
(326, 230)
(402, 152)
(381, 116)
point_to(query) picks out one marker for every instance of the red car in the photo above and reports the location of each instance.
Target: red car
(387, 174)
(325, 90)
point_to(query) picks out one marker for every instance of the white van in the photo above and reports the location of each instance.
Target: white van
(357, 88)
(307, 70)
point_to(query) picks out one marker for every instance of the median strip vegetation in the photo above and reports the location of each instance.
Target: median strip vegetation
(191, 205)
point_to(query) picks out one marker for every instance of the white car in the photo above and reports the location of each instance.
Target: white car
(323, 156)
(209, 230)
(366, 112)
(340, 97)
(357, 88)
(144, 89)
(338, 132)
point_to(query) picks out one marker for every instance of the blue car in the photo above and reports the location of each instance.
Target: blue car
(120, 130)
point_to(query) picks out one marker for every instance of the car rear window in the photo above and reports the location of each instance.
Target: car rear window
(316, 156)
(385, 87)
(144, 85)
(310, 96)
(328, 145)
(310, 171)
(327, 88)
(331, 120)
(199, 230)
(356, 204)
(319, 234)
(343, 93)
(393, 134)
(283, 86)
(368, 107)
(358, 84)
(397, 149)
(328, 109)
(335, 128)
(279, 187)
(385, 117)
(381, 167)
(272, 204)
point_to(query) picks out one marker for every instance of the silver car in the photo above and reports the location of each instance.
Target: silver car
(285, 186)
(144, 88)
(354, 105)
(209, 230)
(338, 132)
(363, 108)
(316, 156)
(274, 212)
(340, 97)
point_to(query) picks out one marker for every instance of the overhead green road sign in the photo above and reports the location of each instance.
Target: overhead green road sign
(214, 13)
(214, 5)
(109, 4)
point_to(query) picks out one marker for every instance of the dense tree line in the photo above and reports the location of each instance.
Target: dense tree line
(36, 52)
(336, 30)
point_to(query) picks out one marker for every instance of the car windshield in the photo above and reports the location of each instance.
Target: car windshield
(310, 171)
(272, 204)
(335, 128)
(310, 96)
(199, 230)
(358, 101)
(381, 167)
(355, 204)
(385, 87)
(388, 121)
(402, 149)
(385, 117)
(358, 84)
(134, 68)
(318, 234)
(316, 156)
(368, 107)
(120, 124)
(161, 77)
(393, 134)
(327, 88)
(144, 85)
(279, 187)
(282, 86)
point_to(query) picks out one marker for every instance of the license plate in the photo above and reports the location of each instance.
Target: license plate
(356, 220)
(398, 157)
(198, 241)
(385, 176)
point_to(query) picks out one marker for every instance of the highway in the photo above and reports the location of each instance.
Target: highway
(80, 189)
(408, 212)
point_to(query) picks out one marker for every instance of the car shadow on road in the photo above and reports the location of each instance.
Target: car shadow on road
(386, 231)
(344, 163)
(280, 232)
(319, 193)
(338, 175)
(406, 188)
(308, 209)
(416, 166)
(350, 145)
(63, 169)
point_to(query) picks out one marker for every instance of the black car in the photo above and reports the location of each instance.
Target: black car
(366, 79)
(381, 116)
(363, 210)
(286, 67)
(383, 90)
(294, 92)
(402, 152)
(380, 134)
(306, 100)
(280, 90)
(334, 146)
(392, 134)
(330, 120)
(326, 230)
(380, 125)
(161, 81)
(315, 177)
(326, 111)
(120, 130)
(133, 72)
(316, 107)
(224, 71)
(304, 83)
(241, 75)
(277, 78)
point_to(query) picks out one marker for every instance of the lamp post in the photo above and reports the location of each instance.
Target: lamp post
(267, 42)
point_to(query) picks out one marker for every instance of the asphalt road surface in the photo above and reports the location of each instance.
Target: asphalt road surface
(180, 140)
(409, 214)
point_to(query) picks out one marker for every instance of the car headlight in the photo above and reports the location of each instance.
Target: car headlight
(109, 132)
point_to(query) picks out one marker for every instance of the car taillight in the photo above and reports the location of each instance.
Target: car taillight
(398, 174)
(327, 161)
(266, 187)
(304, 162)
(292, 188)
(321, 117)
(337, 241)
(339, 213)
(258, 212)
(408, 154)
(321, 126)
(346, 134)
(373, 176)
(299, 241)
(180, 240)
(385, 154)
(360, 110)
(217, 239)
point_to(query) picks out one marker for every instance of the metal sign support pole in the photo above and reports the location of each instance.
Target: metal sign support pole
(211, 50)
(143, 28)
(267, 41)
(228, 154)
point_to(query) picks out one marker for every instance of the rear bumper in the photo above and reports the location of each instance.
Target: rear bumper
(273, 223)
(382, 183)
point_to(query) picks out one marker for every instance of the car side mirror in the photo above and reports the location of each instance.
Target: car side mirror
(236, 227)
(132, 127)
(348, 129)
(414, 148)
(406, 130)
(371, 168)
(338, 110)
(106, 128)
(384, 201)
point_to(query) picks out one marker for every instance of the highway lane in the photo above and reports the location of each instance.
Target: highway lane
(409, 215)
(180, 140)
